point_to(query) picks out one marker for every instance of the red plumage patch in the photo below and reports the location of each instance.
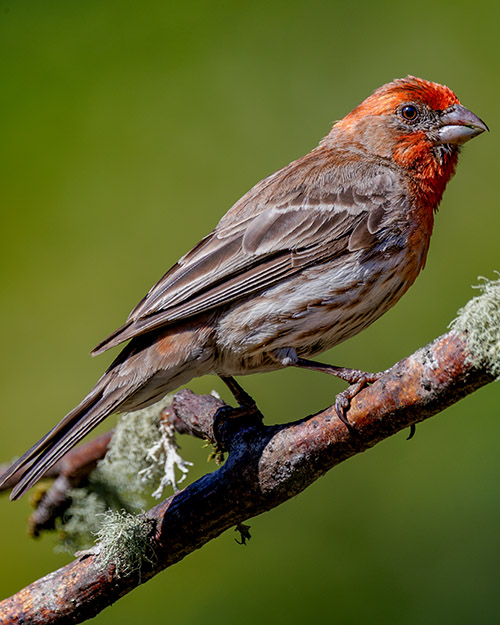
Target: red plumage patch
(385, 99)
(437, 97)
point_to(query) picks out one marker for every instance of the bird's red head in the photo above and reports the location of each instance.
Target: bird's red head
(417, 124)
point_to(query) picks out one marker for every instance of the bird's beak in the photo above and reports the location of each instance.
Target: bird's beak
(458, 125)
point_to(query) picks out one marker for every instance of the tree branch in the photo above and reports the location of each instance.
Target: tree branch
(266, 466)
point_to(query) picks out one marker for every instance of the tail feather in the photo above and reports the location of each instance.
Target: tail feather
(111, 341)
(140, 375)
(67, 433)
(129, 331)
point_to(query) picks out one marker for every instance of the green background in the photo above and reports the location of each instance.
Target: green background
(126, 130)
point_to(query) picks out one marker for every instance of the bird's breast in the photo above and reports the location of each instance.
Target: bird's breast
(317, 308)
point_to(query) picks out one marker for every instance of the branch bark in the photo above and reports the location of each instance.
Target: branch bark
(266, 466)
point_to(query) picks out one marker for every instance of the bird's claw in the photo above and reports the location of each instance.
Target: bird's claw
(343, 403)
(358, 381)
(243, 410)
(227, 418)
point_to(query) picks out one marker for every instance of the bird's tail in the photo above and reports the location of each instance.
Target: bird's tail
(145, 371)
(68, 432)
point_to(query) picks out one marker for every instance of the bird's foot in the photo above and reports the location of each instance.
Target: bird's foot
(355, 377)
(228, 420)
(246, 404)
(358, 380)
(343, 400)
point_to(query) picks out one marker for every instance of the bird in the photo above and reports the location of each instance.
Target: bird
(309, 257)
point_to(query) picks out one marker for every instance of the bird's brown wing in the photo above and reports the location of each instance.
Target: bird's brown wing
(265, 238)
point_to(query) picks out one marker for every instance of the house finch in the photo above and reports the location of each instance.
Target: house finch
(309, 257)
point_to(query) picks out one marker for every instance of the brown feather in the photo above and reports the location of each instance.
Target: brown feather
(269, 241)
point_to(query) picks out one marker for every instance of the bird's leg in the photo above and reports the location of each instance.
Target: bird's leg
(246, 404)
(355, 377)
(224, 417)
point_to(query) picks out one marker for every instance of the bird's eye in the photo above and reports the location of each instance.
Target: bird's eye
(409, 113)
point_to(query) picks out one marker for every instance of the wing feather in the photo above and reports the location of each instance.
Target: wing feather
(267, 237)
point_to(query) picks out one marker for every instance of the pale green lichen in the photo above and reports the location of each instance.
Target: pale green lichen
(125, 542)
(77, 529)
(143, 453)
(479, 321)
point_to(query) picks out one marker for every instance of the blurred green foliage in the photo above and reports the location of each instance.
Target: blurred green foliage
(127, 129)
